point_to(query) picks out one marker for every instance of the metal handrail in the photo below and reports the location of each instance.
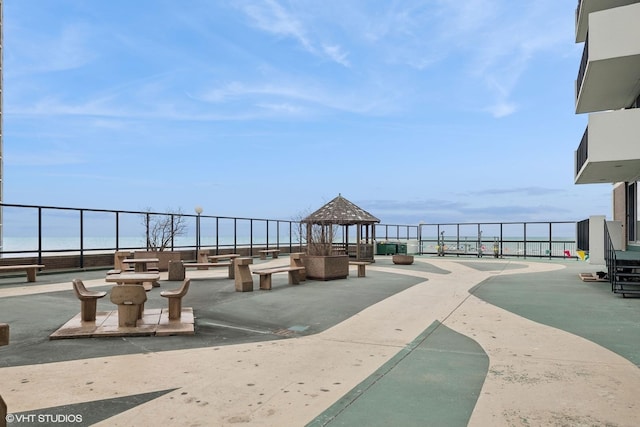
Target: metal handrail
(582, 153)
(245, 232)
(610, 258)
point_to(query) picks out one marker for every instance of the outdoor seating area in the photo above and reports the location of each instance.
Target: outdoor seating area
(391, 317)
(371, 318)
(130, 318)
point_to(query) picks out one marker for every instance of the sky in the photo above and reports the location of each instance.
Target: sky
(417, 111)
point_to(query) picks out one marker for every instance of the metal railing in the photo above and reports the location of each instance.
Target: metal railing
(583, 67)
(47, 231)
(610, 258)
(582, 153)
(539, 239)
(582, 231)
(39, 231)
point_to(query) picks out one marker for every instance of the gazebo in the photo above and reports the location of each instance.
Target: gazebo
(342, 212)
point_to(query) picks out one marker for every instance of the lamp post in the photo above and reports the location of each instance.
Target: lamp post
(198, 210)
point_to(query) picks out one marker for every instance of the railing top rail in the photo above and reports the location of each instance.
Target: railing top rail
(14, 205)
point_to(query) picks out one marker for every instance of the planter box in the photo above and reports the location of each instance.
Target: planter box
(330, 267)
(403, 259)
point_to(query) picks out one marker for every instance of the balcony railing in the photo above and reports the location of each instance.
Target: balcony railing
(582, 154)
(578, 11)
(583, 67)
(582, 231)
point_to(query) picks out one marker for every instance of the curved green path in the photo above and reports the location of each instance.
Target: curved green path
(435, 381)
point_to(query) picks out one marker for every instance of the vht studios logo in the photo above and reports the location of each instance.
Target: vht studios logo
(44, 418)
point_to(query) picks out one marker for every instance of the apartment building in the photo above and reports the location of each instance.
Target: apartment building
(608, 90)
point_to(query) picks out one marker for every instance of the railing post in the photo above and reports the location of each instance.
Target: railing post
(117, 231)
(525, 239)
(251, 237)
(81, 238)
(217, 234)
(40, 235)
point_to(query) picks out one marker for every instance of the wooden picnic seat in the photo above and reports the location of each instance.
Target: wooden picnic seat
(265, 275)
(88, 300)
(29, 268)
(175, 299)
(130, 300)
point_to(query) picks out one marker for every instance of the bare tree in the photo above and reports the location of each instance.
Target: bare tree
(161, 229)
(318, 238)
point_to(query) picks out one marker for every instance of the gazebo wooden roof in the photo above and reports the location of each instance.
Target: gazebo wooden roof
(340, 211)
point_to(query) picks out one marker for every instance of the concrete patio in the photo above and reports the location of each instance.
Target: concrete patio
(449, 341)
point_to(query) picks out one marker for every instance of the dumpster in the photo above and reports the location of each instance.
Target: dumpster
(402, 248)
(385, 248)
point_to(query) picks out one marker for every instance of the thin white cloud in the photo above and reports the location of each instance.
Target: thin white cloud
(272, 17)
(40, 53)
(336, 54)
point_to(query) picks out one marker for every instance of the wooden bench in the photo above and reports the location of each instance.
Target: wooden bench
(88, 300)
(274, 253)
(206, 265)
(265, 275)
(175, 299)
(29, 268)
(361, 267)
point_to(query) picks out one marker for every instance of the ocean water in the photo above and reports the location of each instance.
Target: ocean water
(515, 246)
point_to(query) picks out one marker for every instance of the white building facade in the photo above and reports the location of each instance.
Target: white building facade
(608, 90)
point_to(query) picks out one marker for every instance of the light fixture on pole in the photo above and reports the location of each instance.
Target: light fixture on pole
(198, 210)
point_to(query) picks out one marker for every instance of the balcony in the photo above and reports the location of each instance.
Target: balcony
(585, 7)
(609, 151)
(609, 70)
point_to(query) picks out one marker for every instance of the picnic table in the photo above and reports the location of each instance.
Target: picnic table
(141, 265)
(147, 280)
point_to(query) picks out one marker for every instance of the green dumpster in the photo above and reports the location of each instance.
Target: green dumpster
(402, 248)
(386, 248)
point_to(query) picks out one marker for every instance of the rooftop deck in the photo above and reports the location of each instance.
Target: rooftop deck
(445, 341)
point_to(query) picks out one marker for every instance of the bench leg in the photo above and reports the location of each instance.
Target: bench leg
(274, 255)
(88, 310)
(243, 279)
(232, 270)
(361, 271)
(263, 256)
(294, 277)
(265, 282)
(31, 275)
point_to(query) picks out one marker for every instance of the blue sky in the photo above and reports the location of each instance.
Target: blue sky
(432, 110)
